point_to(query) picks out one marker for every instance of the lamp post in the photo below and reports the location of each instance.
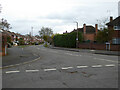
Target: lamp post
(77, 35)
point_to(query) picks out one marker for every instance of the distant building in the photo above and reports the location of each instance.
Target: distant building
(119, 8)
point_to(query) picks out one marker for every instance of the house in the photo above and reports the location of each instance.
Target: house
(115, 25)
(3, 45)
(89, 32)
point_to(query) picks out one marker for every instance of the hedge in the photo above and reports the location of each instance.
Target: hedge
(67, 40)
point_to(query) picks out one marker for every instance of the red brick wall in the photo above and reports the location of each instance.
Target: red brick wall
(99, 46)
(116, 34)
(89, 37)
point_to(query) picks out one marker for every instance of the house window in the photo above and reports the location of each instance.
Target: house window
(116, 41)
(116, 27)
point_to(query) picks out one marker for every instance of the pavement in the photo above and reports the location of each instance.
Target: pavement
(18, 55)
(104, 52)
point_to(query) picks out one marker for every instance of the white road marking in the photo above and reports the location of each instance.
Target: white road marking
(12, 71)
(32, 70)
(68, 53)
(92, 50)
(35, 54)
(77, 55)
(106, 60)
(66, 68)
(22, 49)
(53, 51)
(110, 65)
(82, 66)
(97, 66)
(50, 69)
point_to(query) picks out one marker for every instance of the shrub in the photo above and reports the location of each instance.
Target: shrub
(67, 40)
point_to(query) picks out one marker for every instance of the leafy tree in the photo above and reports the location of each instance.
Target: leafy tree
(45, 31)
(104, 36)
(9, 39)
(21, 41)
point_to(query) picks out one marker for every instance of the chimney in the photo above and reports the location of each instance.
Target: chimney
(84, 28)
(96, 28)
(111, 19)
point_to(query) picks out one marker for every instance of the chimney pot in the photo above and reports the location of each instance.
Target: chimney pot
(84, 28)
(111, 19)
(96, 28)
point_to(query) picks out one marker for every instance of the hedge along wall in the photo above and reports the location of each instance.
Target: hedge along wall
(67, 40)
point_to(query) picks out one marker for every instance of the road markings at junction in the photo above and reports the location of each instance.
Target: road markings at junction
(106, 60)
(32, 70)
(82, 66)
(110, 65)
(66, 68)
(12, 71)
(97, 66)
(53, 69)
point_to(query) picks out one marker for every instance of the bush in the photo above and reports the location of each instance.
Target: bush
(67, 40)
(46, 45)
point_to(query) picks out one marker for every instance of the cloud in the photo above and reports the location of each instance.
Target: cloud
(57, 14)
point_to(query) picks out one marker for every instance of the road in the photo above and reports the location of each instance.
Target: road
(63, 69)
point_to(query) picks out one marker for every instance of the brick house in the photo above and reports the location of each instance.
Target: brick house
(88, 32)
(115, 25)
(3, 43)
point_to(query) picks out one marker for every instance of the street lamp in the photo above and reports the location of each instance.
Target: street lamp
(77, 35)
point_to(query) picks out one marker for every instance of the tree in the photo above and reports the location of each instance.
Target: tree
(102, 22)
(45, 31)
(5, 24)
(104, 36)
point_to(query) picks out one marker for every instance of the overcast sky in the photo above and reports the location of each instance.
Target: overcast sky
(56, 14)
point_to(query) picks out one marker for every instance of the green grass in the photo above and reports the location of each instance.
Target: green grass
(23, 46)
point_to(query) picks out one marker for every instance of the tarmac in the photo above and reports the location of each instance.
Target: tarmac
(17, 55)
(103, 52)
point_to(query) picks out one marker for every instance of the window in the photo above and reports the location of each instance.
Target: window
(116, 41)
(116, 27)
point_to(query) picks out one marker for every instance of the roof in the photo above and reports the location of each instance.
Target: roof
(114, 22)
(89, 30)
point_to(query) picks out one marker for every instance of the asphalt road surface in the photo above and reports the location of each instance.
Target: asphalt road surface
(63, 69)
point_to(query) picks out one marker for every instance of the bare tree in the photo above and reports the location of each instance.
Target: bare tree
(102, 22)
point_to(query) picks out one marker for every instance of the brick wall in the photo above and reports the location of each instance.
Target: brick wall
(89, 37)
(98, 46)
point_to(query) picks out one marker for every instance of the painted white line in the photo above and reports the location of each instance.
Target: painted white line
(50, 69)
(97, 66)
(106, 60)
(68, 53)
(32, 70)
(82, 66)
(22, 49)
(92, 50)
(66, 68)
(110, 65)
(35, 54)
(53, 51)
(12, 71)
(77, 55)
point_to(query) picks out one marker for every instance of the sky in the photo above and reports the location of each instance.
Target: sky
(59, 15)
